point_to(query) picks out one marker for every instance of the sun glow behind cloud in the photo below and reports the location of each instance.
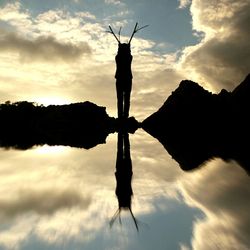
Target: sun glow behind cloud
(50, 150)
(53, 100)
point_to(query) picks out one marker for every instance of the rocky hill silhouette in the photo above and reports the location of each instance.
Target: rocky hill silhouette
(195, 125)
(83, 125)
(24, 124)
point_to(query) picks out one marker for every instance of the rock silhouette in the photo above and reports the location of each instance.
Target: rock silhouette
(195, 125)
(82, 125)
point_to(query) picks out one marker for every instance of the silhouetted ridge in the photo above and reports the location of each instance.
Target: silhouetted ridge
(195, 125)
(24, 124)
(242, 91)
(240, 96)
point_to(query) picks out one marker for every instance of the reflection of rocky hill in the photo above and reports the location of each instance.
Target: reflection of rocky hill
(195, 125)
(24, 124)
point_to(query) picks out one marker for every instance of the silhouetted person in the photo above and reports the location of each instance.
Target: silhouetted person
(123, 176)
(123, 73)
(123, 77)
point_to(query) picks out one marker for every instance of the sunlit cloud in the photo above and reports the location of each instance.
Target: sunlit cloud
(184, 3)
(184, 247)
(11, 12)
(14, 15)
(144, 100)
(114, 2)
(86, 15)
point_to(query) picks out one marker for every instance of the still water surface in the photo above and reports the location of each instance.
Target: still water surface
(64, 198)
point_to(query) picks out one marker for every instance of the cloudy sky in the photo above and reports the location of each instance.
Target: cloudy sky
(56, 52)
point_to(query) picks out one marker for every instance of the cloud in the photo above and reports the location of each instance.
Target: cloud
(151, 90)
(222, 58)
(184, 3)
(114, 2)
(86, 14)
(42, 48)
(221, 190)
(184, 247)
(13, 14)
(77, 82)
(41, 202)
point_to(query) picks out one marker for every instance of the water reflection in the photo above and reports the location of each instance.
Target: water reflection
(64, 197)
(123, 177)
(192, 149)
(220, 189)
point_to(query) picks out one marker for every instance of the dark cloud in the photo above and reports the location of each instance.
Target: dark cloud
(223, 63)
(42, 48)
(223, 57)
(41, 202)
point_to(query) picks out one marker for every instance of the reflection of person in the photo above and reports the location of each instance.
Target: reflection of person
(123, 77)
(123, 172)
(123, 176)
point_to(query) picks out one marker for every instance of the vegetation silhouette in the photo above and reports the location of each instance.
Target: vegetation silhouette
(123, 177)
(123, 73)
(195, 125)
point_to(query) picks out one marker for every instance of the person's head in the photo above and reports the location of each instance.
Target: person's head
(124, 49)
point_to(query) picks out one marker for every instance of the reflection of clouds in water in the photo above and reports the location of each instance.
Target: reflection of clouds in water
(222, 191)
(64, 227)
(67, 197)
(155, 172)
(41, 202)
(69, 194)
(56, 196)
(12, 236)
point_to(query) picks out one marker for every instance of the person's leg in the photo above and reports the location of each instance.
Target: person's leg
(127, 100)
(119, 94)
